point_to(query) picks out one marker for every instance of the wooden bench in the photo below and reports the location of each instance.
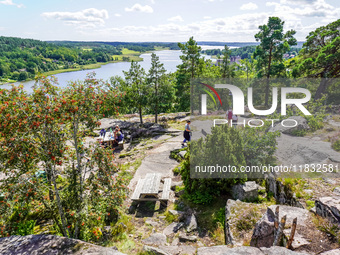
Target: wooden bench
(138, 190)
(121, 145)
(166, 189)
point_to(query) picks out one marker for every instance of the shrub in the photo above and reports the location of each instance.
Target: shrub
(225, 146)
(247, 220)
(336, 145)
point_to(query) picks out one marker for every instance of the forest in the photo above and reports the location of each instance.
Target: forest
(22, 59)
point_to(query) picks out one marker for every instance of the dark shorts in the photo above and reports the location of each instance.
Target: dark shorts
(186, 135)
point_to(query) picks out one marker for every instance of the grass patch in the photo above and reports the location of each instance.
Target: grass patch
(170, 217)
(84, 67)
(324, 225)
(336, 145)
(127, 55)
(310, 204)
(248, 219)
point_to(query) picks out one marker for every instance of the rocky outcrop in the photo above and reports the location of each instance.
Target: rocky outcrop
(132, 130)
(245, 250)
(281, 193)
(263, 235)
(247, 191)
(287, 129)
(50, 245)
(328, 207)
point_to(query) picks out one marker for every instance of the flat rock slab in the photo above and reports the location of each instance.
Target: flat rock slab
(155, 251)
(179, 249)
(303, 150)
(172, 228)
(50, 245)
(245, 250)
(331, 252)
(291, 212)
(155, 240)
(277, 250)
(225, 250)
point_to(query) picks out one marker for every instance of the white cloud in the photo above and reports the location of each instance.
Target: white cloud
(140, 8)
(177, 18)
(86, 18)
(315, 8)
(235, 28)
(10, 2)
(206, 17)
(249, 6)
(118, 15)
(298, 2)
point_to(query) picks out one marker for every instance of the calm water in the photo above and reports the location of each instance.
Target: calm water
(170, 59)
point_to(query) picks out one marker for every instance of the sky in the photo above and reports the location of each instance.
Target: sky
(159, 20)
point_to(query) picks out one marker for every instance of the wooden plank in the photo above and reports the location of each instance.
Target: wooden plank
(148, 199)
(138, 189)
(152, 182)
(166, 189)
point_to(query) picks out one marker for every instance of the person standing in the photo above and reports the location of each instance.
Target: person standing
(187, 133)
(229, 117)
(235, 119)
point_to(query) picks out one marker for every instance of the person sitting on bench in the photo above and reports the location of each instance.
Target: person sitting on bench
(118, 136)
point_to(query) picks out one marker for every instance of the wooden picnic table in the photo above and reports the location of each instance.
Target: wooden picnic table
(148, 189)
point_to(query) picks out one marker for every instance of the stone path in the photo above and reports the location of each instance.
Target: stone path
(158, 159)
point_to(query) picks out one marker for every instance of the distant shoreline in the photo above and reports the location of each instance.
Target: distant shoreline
(133, 57)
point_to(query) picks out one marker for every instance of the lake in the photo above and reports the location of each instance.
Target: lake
(170, 59)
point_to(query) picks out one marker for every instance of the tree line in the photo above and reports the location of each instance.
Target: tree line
(158, 91)
(22, 59)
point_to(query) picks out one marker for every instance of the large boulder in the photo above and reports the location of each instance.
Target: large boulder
(50, 245)
(247, 191)
(301, 125)
(263, 235)
(328, 207)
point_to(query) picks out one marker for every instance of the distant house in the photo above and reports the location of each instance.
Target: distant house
(233, 59)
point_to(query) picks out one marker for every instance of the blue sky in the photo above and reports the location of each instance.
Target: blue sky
(159, 20)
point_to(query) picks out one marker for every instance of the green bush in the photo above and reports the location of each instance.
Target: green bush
(336, 145)
(225, 146)
(301, 132)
